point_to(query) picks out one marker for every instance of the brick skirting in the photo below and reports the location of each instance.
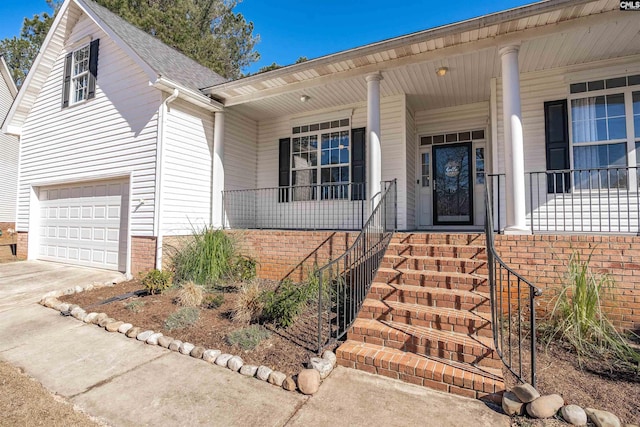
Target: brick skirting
(143, 254)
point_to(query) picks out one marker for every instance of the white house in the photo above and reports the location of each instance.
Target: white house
(8, 153)
(112, 162)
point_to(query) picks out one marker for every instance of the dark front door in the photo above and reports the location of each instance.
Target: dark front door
(452, 179)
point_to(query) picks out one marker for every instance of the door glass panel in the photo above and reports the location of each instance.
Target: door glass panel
(426, 170)
(479, 165)
(452, 178)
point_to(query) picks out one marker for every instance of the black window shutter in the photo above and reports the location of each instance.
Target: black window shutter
(93, 67)
(284, 162)
(556, 132)
(358, 164)
(66, 82)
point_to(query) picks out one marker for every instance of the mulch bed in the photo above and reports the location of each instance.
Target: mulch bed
(286, 350)
(595, 384)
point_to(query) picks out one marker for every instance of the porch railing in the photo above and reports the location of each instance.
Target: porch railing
(302, 207)
(598, 200)
(345, 282)
(512, 308)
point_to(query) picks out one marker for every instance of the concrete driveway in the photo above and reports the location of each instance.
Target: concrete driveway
(127, 383)
(25, 282)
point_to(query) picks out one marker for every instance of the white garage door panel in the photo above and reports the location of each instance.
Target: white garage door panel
(85, 224)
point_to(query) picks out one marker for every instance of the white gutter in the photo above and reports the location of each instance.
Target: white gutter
(164, 110)
(192, 96)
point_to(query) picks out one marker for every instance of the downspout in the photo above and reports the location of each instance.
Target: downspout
(164, 108)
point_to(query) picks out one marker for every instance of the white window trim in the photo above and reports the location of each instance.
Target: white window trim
(75, 77)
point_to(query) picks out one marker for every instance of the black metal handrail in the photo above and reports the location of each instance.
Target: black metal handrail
(512, 298)
(301, 207)
(343, 283)
(596, 200)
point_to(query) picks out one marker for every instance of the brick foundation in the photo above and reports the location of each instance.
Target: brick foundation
(543, 260)
(291, 254)
(23, 245)
(143, 254)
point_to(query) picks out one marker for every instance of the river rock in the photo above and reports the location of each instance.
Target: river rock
(248, 370)
(164, 341)
(49, 302)
(525, 392)
(153, 338)
(90, 318)
(210, 356)
(323, 366)
(263, 373)
(289, 384)
(79, 313)
(124, 328)
(277, 378)
(309, 381)
(113, 326)
(545, 406)
(186, 347)
(72, 307)
(78, 289)
(197, 352)
(511, 405)
(330, 356)
(104, 322)
(574, 415)
(143, 336)
(133, 332)
(99, 318)
(602, 418)
(64, 307)
(235, 363)
(175, 345)
(223, 359)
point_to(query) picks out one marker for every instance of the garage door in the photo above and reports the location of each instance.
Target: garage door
(85, 224)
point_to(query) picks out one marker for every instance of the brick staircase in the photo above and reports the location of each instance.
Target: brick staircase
(427, 317)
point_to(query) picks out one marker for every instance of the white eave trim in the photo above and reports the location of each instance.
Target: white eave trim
(6, 74)
(189, 95)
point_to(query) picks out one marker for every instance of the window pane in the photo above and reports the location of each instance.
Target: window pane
(598, 118)
(325, 140)
(335, 157)
(313, 142)
(636, 125)
(615, 105)
(618, 128)
(344, 155)
(313, 159)
(335, 139)
(600, 107)
(617, 155)
(344, 139)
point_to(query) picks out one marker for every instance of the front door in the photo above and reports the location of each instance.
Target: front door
(452, 184)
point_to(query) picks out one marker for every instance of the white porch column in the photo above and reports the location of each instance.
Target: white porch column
(513, 142)
(374, 175)
(217, 182)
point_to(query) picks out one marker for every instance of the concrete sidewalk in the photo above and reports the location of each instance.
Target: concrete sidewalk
(125, 382)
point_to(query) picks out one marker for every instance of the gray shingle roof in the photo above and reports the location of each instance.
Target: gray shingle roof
(163, 59)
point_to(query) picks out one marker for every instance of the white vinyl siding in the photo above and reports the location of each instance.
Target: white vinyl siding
(113, 134)
(240, 152)
(186, 169)
(393, 140)
(8, 161)
(411, 168)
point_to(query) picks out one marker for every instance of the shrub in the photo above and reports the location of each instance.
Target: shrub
(213, 301)
(245, 268)
(206, 259)
(190, 295)
(134, 306)
(248, 304)
(283, 305)
(248, 338)
(157, 281)
(182, 318)
(578, 318)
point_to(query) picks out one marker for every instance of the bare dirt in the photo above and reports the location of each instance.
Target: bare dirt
(286, 350)
(25, 402)
(586, 382)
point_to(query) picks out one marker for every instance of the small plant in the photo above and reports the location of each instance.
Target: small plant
(249, 303)
(245, 268)
(213, 301)
(578, 318)
(157, 281)
(182, 318)
(283, 305)
(134, 306)
(190, 295)
(207, 259)
(248, 338)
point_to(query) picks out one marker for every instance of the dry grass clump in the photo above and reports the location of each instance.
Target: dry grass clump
(190, 295)
(249, 305)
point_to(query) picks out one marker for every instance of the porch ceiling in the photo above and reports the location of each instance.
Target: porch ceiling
(607, 34)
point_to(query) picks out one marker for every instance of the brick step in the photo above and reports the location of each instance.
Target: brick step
(438, 318)
(440, 238)
(435, 263)
(435, 279)
(476, 302)
(426, 341)
(436, 250)
(442, 375)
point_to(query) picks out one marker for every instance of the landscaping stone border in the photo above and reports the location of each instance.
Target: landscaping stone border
(307, 381)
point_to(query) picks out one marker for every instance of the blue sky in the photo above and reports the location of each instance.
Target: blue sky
(289, 29)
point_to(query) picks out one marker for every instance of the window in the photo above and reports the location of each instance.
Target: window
(80, 73)
(480, 165)
(322, 161)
